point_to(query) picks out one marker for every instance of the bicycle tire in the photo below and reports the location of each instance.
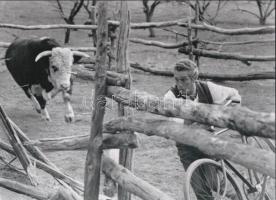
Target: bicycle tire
(254, 177)
(208, 162)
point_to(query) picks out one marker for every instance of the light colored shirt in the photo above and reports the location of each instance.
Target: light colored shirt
(220, 94)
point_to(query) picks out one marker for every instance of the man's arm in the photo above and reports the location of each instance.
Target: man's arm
(169, 96)
(221, 94)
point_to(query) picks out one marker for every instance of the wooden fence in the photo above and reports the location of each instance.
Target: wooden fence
(103, 136)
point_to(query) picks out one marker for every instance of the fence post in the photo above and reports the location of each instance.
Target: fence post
(94, 154)
(122, 66)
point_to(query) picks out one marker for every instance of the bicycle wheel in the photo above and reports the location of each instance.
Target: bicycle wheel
(258, 182)
(205, 179)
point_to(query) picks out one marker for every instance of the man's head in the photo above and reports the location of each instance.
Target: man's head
(185, 74)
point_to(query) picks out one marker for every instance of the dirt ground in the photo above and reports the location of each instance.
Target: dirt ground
(156, 159)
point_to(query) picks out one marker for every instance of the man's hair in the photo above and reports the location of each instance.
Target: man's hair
(188, 66)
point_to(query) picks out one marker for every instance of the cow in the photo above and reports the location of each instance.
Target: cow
(42, 68)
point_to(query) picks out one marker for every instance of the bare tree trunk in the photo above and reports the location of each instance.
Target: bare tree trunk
(149, 19)
(67, 36)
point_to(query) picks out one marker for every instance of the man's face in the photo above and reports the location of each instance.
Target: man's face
(184, 83)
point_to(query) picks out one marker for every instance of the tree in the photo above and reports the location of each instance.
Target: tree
(265, 9)
(70, 19)
(203, 6)
(149, 10)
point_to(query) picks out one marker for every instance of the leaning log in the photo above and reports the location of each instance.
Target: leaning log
(28, 190)
(36, 193)
(214, 77)
(34, 151)
(50, 170)
(110, 141)
(132, 183)
(240, 118)
(19, 149)
(226, 56)
(248, 156)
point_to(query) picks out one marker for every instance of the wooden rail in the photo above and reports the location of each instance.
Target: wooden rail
(242, 119)
(145, 25)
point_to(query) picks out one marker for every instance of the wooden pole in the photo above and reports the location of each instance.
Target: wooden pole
(240, 118)
(214, 77)
(50, 170)
(131, 183)
(226, 55)
(19, 149)
(196, 31)
(122, 66)
(94, 154)
(249, 156)
(189, 33)
(28, 190)
(110, 141)
(144, 25)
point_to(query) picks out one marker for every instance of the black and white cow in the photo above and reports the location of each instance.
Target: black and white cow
(42, 68)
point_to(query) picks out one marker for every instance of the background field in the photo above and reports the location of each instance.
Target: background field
(156, 160)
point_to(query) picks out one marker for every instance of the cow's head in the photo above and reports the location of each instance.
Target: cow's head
(60, 63)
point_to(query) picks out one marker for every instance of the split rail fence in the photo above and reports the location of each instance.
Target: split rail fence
(119, 133)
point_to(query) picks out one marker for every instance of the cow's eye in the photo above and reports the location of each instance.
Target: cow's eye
(54, 68)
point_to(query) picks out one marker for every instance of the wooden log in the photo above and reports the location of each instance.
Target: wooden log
(33, 150)
(63, 194)
(226, 55)
(94, 154)
(122, 66)
(25, 189)
(45, 167)
(112, 78)
(242, 119)
(19, 149)
(158, 44)
(36, 193)
(237, 31)
(239, 77)
(145, 25)
(132, 183)
(260, 160)
(110, 141)
(215, 77)
(40, 156)
(236, 43)
(165, 45)
(4, 44)
(84, 49)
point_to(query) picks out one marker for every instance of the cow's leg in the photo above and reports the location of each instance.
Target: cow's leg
(69, 113)
(42, 103)
(36, 94)
(35, 103)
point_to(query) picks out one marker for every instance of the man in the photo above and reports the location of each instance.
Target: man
(187, 86)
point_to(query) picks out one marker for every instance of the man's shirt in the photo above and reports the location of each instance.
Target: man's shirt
(220, 95)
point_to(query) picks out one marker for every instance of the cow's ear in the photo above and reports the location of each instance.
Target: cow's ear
(77, 58)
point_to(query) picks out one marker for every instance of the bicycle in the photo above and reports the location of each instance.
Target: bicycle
(225, 184)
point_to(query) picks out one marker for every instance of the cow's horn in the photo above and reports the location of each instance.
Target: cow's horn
(81, 54)
(42, 54)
